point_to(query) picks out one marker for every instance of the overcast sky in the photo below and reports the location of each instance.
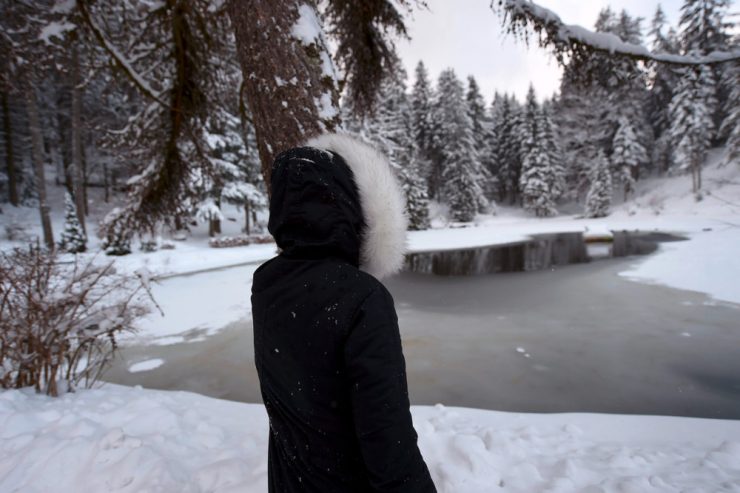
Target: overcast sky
(466, 35)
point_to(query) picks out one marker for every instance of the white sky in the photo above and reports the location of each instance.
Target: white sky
(466, 35)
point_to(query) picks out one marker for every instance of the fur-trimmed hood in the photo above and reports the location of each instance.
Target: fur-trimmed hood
(338, 196)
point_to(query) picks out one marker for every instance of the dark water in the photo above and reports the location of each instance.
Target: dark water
(537, 253)
(567, 339)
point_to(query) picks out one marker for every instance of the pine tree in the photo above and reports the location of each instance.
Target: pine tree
(392, 130)
(627, 156)
(492, 186)
(551, 139)
(461, 165)
(703, 30)
(417, 200)
(538, 175)
(528, 125)
(703, 25)
(508, 148)
(421, 110)
(481, 133)
(662, 81)
(731, 125)
(691, 112)
(73, 238)
(599, 197)
(477, 114)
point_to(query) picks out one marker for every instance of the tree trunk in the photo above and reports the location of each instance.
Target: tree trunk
(37, 152)
(79, 182)
(9, 157)
(106, 185)
(306, 103)
(63, 136)
(246, 219)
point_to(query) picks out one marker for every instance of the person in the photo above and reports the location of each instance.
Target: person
(326, 340)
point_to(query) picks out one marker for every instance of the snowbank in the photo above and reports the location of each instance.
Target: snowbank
(132, 440)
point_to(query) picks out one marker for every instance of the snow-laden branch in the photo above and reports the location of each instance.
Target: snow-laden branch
(118, 57)
(522, 15)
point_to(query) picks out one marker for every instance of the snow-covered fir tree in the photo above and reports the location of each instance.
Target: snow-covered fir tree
(507, 148)
(232, 176)
(529, 120)
(490, 155)
(392, 129)
(730, 128)
(481, 134)
(577, 115)
(421, 118)
(703, 25)
(627, 156)
(537, 177)
(692, 126)
(661, 81)
(73, 239)
(461, 165)
(704, 29)
(477, 113)
(551, 138)
(599, 197)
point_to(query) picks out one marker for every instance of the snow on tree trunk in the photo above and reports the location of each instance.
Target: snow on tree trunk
(599, 197)
(37, 154)
(289, 78)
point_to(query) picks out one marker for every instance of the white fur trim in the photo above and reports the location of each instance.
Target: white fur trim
(381, 199)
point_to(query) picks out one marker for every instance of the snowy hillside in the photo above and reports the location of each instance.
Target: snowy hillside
(97, 440)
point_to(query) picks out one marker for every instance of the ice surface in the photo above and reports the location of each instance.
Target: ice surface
(147, 365)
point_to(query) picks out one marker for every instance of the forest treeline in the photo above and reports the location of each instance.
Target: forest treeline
(147, 100)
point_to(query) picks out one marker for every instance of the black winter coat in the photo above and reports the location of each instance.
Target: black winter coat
(326, 339)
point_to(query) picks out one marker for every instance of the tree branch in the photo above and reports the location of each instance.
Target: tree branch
(523, 16)
(118, 58)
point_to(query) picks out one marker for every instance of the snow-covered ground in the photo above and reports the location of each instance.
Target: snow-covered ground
(127, 439)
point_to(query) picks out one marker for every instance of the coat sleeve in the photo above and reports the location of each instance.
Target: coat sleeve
(380, 405)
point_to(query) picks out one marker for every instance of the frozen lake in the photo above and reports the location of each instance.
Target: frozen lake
(576, 338)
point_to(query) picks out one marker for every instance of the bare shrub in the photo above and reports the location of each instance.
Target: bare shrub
(59, 322)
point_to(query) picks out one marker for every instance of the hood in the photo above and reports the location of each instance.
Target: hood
(337, 196)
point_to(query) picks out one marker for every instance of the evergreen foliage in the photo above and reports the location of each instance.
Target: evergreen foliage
(461, 172)
(73, 238)
(627, 156)
(537, 177)
(599, 197)
(421, 111)
(692, 125)
(731, 125)
(392, 129)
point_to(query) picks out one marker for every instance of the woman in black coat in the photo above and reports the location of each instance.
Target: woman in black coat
(326, 339)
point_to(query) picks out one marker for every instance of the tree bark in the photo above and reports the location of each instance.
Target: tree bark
(289, 79)
(37, 153)
(9, 156)
(79, 182)
(247, 229)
